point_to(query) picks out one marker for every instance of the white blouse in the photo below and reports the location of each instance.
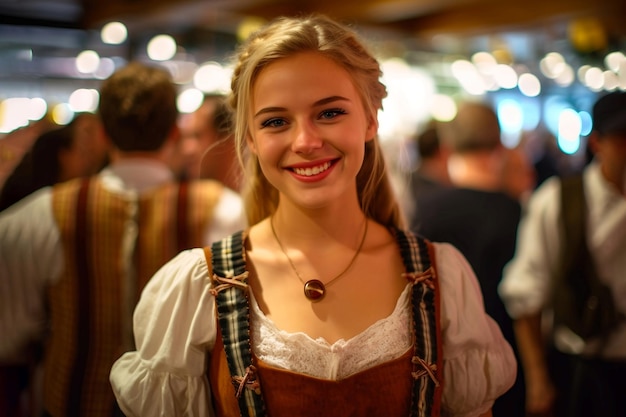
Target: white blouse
(175, 326)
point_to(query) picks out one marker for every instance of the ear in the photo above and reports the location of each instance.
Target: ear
(372, 128)
(593, 139)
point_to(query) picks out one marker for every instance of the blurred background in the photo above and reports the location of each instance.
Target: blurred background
(541, 63)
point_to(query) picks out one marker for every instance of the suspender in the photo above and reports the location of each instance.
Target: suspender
(230, 290)
(581, 301)
(419, 262)
(230, 276)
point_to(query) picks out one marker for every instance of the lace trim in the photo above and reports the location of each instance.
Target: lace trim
(383, 341)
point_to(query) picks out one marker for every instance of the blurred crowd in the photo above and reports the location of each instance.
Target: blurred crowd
(67, 193)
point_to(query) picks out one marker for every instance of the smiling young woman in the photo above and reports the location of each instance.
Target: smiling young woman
(324, 292)
(310, 145)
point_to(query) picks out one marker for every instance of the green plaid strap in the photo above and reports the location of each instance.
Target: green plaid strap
(419, 262)
(230, 290)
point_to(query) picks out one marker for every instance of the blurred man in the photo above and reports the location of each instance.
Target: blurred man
(75, 257)
(590, 377)
(432, 170)
(478, 216)
(207, 147)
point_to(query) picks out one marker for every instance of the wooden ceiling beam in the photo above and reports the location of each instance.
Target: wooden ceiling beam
(414, 18)
(490, 16)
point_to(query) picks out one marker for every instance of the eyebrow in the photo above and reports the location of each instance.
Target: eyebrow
(320, 102)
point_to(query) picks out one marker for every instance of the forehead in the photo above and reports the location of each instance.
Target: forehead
(303, 76)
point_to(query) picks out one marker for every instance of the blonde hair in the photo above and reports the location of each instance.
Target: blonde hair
(285, 37)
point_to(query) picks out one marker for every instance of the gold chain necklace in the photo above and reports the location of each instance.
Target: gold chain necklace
(315, 289)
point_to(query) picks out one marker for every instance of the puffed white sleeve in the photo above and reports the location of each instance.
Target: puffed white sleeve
(479, 364)
(174, 327)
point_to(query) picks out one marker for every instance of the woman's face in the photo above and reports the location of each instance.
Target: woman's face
(308, 128)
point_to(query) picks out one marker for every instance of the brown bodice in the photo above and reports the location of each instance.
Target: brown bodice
(383, 390)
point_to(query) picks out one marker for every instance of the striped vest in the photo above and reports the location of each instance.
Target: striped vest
(242, 385)
(113, 243)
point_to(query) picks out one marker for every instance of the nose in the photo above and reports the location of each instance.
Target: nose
(307, 138)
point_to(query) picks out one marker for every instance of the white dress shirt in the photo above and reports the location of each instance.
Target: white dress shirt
(526, 286)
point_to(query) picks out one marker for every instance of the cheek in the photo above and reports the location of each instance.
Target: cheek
(613, 158)
(267, 152)
(616, 154)
(266, 146)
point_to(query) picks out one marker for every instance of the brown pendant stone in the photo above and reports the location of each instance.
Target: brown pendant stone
(314, 290)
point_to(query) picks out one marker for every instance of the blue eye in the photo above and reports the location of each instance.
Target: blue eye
(273, 123)
(331, 113)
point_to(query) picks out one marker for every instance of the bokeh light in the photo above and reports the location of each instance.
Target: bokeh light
(62, 114)
(570, 128)
(511, 121)
(114, 33)
(84, 100)
(529, 85)
(212, 77)
(189, 100)
(87, 61)
(443, 108)
(161, 48)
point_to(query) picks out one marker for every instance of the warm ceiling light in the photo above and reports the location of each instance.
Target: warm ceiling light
(161, 48)
(529, 85)
(84, 100)
(37, 108)
(114, 33)
(189, 100)
(87, 62)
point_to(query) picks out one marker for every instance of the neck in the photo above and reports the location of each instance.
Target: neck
(310, 227)
(315, 288)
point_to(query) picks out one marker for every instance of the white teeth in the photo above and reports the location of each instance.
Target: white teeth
(312, 171)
